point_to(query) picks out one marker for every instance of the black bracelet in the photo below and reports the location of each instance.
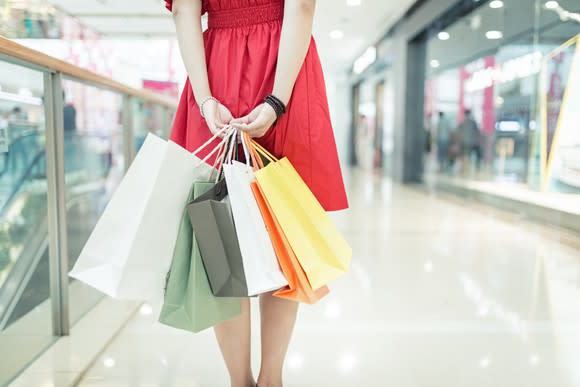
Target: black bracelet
(279, 102)
(276, 104)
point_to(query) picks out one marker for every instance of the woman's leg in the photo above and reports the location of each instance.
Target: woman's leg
(233, 337)
(277, 322)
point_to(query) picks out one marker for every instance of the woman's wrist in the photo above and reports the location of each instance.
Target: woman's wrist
(276, 104)
(204, 101)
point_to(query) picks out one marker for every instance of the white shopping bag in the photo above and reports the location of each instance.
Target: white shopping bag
(261, 267)
(129, 252)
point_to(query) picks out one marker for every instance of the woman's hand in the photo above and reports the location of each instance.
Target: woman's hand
(258, 122)
(216, 115)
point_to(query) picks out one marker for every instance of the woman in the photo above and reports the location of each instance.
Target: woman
(256, 68)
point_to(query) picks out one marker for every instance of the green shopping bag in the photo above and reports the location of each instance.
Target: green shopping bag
(189, 303)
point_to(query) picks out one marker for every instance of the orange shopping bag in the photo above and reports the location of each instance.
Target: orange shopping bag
(321, 250)
(298, 288)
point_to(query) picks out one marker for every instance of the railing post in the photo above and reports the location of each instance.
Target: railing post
(167, 121)
(128, 137)
(56, 196)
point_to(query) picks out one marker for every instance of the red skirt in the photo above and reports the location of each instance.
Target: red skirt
(241, 47)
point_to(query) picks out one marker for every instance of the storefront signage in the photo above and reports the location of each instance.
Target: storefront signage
(511, 70)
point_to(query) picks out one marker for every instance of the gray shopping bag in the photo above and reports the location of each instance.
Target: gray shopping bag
(189, 302)
(213, 224)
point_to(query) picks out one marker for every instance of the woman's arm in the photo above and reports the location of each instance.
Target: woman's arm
(186, 15)
(294, 43)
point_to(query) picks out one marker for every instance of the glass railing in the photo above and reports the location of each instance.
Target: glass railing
(66, 138)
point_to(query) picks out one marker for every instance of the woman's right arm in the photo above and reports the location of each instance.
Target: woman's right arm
(186, 15)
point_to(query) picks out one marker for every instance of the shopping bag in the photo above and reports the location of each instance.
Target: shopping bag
(130, 248)
(319, 246)
(261, 267)
(189, 303)
(298, 288)
(212, 222)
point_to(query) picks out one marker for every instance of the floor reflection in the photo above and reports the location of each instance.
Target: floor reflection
(441, 293)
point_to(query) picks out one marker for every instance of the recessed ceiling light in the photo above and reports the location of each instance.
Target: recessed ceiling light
(353, 3)
(496, 4)
(435, 63)
(443, 35)
(336, 34)
(475, 22)
(494, 35)
(552, 4)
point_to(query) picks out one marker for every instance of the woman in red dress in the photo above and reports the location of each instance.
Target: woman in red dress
(256, 67)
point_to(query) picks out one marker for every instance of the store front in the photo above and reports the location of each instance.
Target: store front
(372, 111)
(478, 98)
(491, 115)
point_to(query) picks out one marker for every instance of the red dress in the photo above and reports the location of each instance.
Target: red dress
(241, 47)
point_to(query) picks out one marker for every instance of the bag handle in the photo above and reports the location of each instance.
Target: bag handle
(245, 147)
(230, 142)
(261, 150)
(216, 135)
(221, 153)
(256, 159)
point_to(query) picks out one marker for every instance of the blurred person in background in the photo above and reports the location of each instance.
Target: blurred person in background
(17, 157)
(361, 145)
(72, 147)
(428, 128)
(443, 135)
(17, 115)
(471, 141)
(256, 67)
(69, 116)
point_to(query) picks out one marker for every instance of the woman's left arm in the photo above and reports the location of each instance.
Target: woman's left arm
(294, 42)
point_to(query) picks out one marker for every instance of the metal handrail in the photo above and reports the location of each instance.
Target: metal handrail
(27, 55)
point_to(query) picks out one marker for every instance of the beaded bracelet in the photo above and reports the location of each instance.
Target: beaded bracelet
(206, 99)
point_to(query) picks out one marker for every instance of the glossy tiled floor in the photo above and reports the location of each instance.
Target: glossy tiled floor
(441, 294)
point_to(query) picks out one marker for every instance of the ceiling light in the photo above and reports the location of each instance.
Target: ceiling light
(496, 4)
(336, 34)
(443, 35)
(475, 22)
(494, 35)
(435, 63)
(365, 60)
(353, 3)
(552, 4)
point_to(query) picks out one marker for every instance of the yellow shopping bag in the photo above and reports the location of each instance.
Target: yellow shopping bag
(320, 248)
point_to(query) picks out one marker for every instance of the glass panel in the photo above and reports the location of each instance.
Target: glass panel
(482, 97)
(94, 166)
(149, 118)
(25, 307)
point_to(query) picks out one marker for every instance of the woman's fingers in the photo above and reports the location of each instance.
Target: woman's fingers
(241, 120)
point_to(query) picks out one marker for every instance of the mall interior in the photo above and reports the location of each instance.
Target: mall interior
(457, 128)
